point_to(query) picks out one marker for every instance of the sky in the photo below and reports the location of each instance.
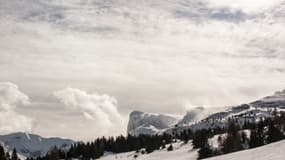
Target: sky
(77, 68)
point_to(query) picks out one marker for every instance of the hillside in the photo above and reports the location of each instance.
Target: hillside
(203, 118)
(31, 145)
(180, 152)
(274, 151)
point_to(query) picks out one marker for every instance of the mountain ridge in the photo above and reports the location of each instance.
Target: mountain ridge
(243, 113)
(32, 145)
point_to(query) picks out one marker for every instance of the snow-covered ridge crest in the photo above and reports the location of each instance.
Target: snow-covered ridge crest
(31, 145)
(277, 96)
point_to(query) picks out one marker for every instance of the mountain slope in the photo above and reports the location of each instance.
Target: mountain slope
(31, 145)
(273, 151)
(199, 118)
(148, 123)
(180, 152)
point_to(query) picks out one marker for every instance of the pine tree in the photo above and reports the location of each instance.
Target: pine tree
(7, 155)
(205, 151)
(2, 153)
(54, 154)
(170, 148)
(200, 138)
(232, 141)
(274, 134)
(14, 155)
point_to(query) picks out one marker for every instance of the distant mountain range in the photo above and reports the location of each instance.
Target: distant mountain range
(148, 123)
(31, 145)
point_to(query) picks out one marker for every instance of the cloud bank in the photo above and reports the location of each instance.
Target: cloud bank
(101, 109)
(150, 55)
(10, 98)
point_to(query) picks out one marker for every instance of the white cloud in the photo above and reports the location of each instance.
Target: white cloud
(150, 55)
(10, 120)
(101, 109)
(249, 6)
(10, 96)
(201, 112)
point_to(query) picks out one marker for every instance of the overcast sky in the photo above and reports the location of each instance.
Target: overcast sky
(77, 68)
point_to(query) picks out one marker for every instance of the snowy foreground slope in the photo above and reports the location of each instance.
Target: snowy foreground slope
(274, 151)
(180, 152)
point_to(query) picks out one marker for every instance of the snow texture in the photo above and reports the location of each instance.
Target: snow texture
(274, 151)
(181, 152)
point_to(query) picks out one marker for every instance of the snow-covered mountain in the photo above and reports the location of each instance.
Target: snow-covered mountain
(149, 123)
(199, 118)
(276, 100)
(31, 145)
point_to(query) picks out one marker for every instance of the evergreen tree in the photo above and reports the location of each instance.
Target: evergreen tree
(170, 148)
(205, 151)
(232, 141)
(200, 138)
(7, 156)
(256, 139)
(2, 153)
(274, 134)
(54, 154)
(14, 155)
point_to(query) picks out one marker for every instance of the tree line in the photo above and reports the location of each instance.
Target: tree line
(95, 149)
(6, 155)
(266, 131)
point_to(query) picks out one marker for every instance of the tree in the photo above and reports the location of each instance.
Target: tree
(232, 141)
(7, 155)
(220, 141)
(14, 155)
(163, 145)
(205, 151)
(54, 154)
(170, 148)
(256, 139)
(2, 153)
(200, 138)
(274, 134)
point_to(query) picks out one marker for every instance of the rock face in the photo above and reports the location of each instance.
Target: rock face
(30, 145)
(148, 123)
